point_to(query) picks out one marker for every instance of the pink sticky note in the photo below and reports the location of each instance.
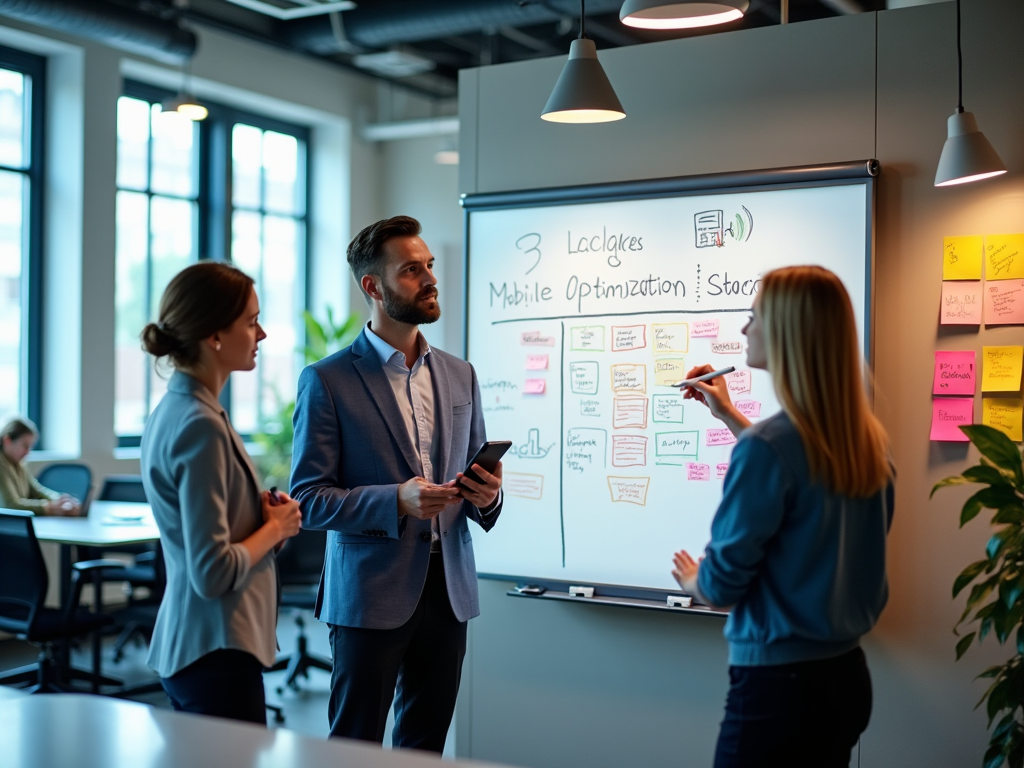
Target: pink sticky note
(749, 408)
(719, 437)
(721, 469)
(704, 329)
(948, 415)
(738, 382)
(955, 373)
(536, 362)
(961, 303)
(1004, 302)
(536, 339)
(534, 387)
(698, 472)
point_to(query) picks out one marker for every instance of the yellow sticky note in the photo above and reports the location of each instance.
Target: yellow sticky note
(1005, 413)
(1004, 257)
(1000, 368)
(961, 258)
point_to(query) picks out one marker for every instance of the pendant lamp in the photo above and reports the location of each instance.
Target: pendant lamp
(582, 93)
(967, 155)
(681, 14)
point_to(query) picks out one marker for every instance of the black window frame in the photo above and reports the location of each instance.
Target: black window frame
(32, 293)
(214, 194)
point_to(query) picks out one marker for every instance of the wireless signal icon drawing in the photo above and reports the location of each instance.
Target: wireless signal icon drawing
(743, 225)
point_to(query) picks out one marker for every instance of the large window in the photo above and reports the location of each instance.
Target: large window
(21, 121)
(231, 187)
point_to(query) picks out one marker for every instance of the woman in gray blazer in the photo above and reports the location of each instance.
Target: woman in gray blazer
(216, 629)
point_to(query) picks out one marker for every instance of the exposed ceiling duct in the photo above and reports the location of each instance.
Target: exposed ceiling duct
(389, 22)
(120, 27)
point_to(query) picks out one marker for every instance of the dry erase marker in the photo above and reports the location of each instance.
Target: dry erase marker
(274, 495)
(705, 377)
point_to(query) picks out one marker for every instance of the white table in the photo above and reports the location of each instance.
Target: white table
(105, 526)
(65, 730)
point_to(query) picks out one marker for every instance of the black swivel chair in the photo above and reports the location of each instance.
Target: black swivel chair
(300, 564)
(70, 477)
(23, 586)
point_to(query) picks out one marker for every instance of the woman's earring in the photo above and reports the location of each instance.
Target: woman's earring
(217, 347)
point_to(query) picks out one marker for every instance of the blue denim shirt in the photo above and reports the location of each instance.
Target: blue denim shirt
(803, 568)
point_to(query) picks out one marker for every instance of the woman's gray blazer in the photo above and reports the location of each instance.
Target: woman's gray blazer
(205, 498)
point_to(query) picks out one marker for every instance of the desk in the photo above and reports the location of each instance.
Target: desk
(97, 732)
(97, 529)
(108, 524)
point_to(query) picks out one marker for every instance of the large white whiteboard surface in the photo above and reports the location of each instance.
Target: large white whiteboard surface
(579, 318)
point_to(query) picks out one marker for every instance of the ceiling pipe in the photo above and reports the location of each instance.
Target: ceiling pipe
(385, 23)
(410, 129)
(118, 26)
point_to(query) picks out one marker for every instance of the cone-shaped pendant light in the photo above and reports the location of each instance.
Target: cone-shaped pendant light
(967, 155)
(680, 14)
(582, 93)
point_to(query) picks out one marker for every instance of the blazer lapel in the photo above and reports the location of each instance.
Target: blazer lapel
(368, 367)
(442, 411)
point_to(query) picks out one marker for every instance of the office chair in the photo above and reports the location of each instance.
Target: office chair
(70, 477)
(300, 564)
(145, 570)
(23, 586)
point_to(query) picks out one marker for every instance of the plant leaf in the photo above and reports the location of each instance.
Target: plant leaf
(997, 448)
(979, 593)
(971, 509)
(994, 756)
(982, 473)
(997, 699)
(955, 480)
(1020, 640)
(992, 671)
(1004, 727)
(964, 644)
(969, 574)
(1011, 514)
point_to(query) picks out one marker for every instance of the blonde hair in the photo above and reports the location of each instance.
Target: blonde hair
(810, 338)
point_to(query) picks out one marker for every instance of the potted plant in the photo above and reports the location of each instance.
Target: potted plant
(995, 604)
(275, 437)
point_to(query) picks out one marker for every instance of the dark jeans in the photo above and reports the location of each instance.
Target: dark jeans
(809, 714)
(423, 658)
(225, 683)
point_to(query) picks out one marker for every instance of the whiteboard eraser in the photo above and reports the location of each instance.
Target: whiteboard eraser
(581, 591)
(679, 601)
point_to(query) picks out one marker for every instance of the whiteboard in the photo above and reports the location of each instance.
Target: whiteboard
(581, 315)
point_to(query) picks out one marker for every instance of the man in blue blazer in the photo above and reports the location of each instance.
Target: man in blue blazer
(383, 429)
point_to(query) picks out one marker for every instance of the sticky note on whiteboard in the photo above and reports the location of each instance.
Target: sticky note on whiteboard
(536, 362)
(534, 387)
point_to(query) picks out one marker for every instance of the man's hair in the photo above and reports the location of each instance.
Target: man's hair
(366, 251)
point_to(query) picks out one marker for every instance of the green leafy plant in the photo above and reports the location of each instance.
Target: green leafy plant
(997, 597)
(275, 439)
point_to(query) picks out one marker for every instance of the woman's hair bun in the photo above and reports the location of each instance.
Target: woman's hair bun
(158, 342)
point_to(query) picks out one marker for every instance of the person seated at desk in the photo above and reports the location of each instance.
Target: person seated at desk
(18, 488)
(798, 542)
(216, 627)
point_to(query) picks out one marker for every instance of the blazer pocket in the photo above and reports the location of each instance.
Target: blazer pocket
(458, 409)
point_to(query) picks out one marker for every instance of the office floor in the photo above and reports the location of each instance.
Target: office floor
(305, 710)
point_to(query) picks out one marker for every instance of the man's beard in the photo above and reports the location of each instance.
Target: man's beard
(410, 311)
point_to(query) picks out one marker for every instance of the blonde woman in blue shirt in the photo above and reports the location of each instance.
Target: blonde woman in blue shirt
(797, 545)
(216, 628)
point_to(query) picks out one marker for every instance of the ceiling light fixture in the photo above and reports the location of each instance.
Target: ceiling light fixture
(967, 155)
(682, 14)
(185, 105)
(582, 93)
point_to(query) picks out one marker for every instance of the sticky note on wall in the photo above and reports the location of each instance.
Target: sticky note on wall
(1000, 368)
(948, 415)
(955, 373)
(1006, 414)
(1004, 302)
(961, 258)
(1004, 257)
(961, 303)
